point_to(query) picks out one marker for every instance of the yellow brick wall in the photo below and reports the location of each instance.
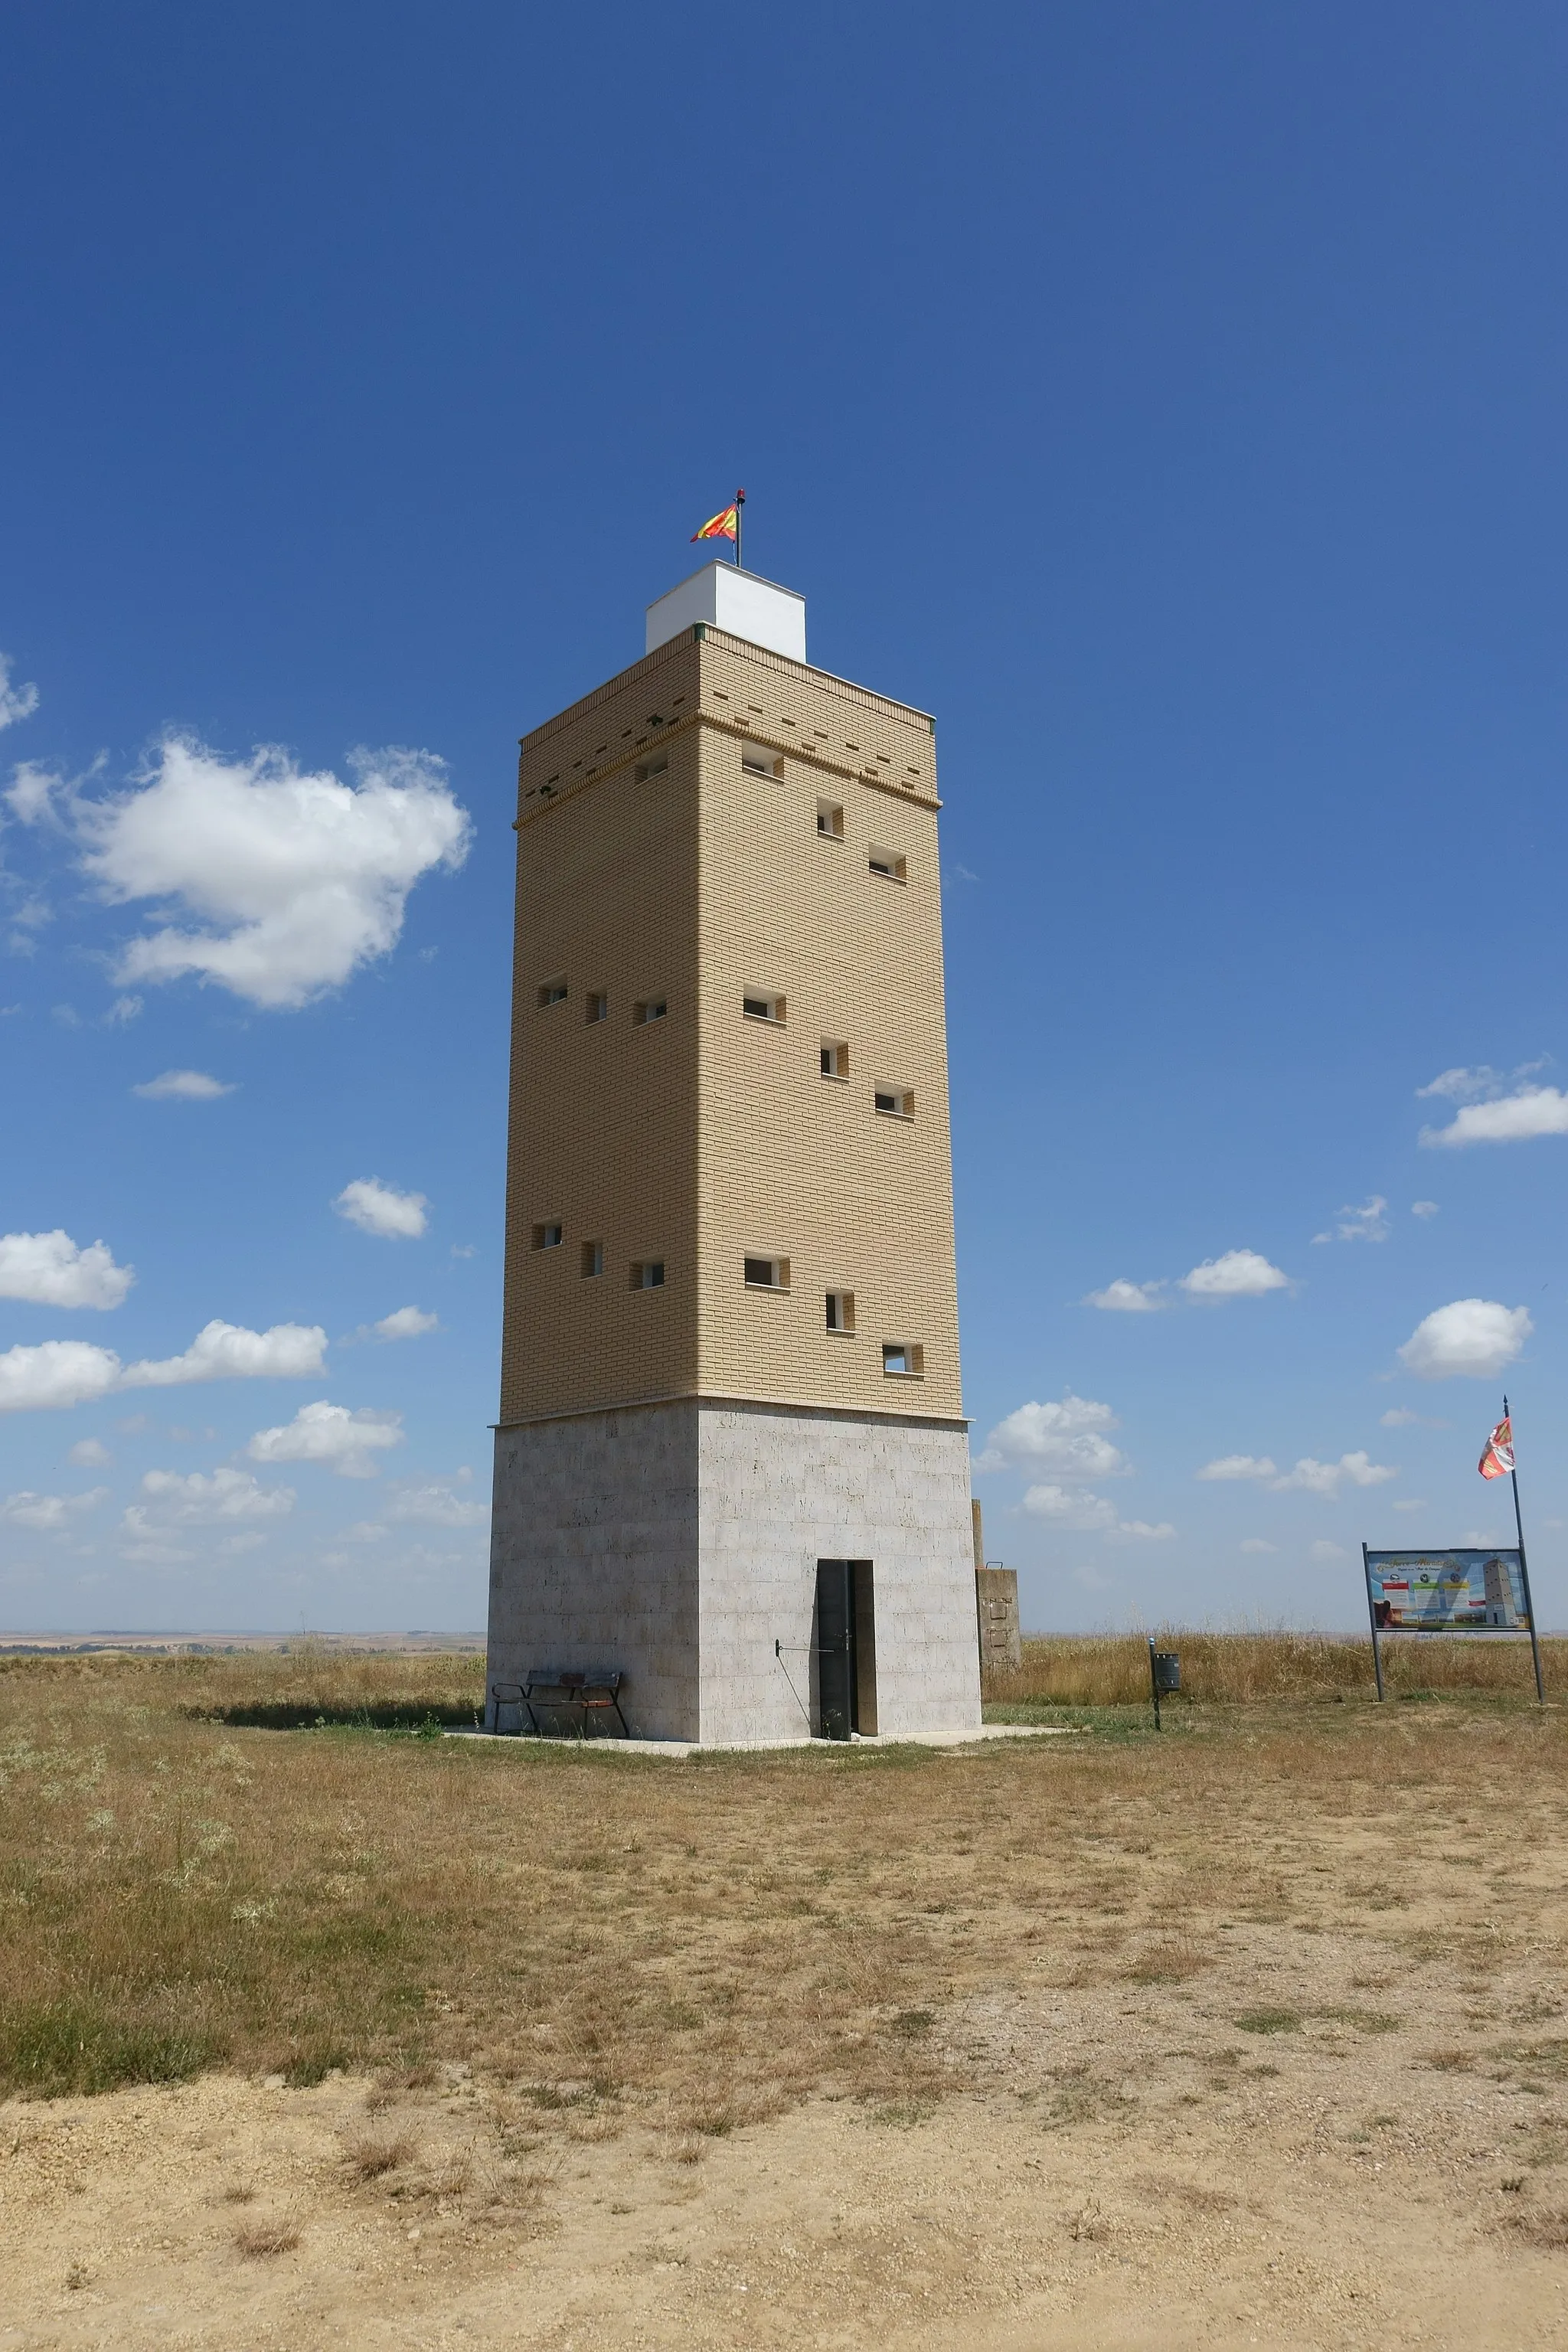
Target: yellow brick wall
(717, 1136)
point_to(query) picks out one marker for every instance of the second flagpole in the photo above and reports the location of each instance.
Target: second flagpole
(1523, 1566)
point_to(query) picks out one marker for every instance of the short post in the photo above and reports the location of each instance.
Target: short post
(1165, 1676)
(1154, 1681)
(1372, 1614)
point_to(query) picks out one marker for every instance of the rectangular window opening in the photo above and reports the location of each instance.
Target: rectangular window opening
(888, 863)
(758, 1007)
(834, 1060)
(830, 820)
(841, 1312)
(903, 1359)
(548, 1235)
(894, 1102)
(651, 1008)
(767, 1273)
(598, 1006)
(592, 1259)
(757, 761)
(654, 766)
(648, 1273)
(552, 992)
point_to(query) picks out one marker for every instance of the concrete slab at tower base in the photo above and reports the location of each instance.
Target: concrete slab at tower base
(678, 1543)
(674, 1750)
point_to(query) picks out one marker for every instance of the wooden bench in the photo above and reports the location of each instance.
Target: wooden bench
(589, 1690)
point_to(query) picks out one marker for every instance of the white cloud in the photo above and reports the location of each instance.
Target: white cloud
(1400, 1416)
(1311, 1478)
(376, 1208)
(247, 1540)
(1072, 1510)
(1412, 1502)
(291, 881)
(57, 1373)
(1473, 1339)
(1066, 1437)
(1367, 1223)
(122, 1012)
(1323, 1549)
(1519, 1117)
(90, 1451)
(49, 1270)
(346, 1442)
(405, 1323)
(183, 1085)
(16, 701)
(227, 1351)
(49, 1511)
(198, 1500)
(60, 1373)
(1088, 1513)
(436, 1506)
(1256, 1544)
(33, 793)
(1422, 1208)
(1237, 1465)
(1239, 1274)
(1123, 1297)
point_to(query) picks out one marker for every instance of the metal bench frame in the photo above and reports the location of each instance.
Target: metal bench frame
(586, 1690)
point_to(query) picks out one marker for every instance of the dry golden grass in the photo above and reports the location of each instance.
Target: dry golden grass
(699, 1944)
(1240, 1669)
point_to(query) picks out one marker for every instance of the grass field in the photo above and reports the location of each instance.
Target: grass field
(180, 1888)
(1298, 1924)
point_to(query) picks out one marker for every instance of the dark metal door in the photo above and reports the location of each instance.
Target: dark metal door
(834, 1642)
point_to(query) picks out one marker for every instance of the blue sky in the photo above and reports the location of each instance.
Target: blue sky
(1169, 399)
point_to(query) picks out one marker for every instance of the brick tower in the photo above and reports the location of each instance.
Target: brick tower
(731, 1461)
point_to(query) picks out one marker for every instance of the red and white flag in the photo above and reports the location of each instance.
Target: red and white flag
(1497, 1459)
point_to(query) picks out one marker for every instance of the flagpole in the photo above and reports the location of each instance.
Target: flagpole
(1524, 1569)
(740, 518)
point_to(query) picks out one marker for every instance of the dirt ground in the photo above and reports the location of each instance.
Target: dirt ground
(1325, 2106)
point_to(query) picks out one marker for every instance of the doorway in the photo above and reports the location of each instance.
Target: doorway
(844, 1647)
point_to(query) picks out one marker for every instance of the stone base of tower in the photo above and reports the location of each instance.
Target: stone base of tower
(679, 1543)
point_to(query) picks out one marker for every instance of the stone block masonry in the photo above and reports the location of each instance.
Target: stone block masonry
(680, 1541)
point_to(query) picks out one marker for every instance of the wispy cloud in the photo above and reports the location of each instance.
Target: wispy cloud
(16, 702)
(183, 1085)
(1235, 1466)
(1367, 1223)
(1089, 1514)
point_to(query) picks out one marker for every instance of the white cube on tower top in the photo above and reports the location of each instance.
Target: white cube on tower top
(736, 602)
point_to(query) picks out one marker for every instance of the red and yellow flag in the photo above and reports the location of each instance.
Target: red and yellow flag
(724, 525)
(1497, 1459)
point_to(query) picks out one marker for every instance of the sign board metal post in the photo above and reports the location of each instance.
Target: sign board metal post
(1165, 1676)
(1372, 1612)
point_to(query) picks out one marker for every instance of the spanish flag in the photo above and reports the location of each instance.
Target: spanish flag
(724, 525)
